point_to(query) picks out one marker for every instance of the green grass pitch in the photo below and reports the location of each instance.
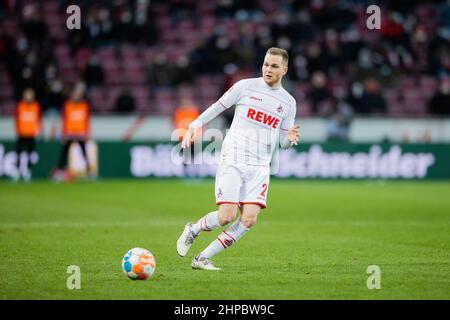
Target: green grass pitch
(315, 241)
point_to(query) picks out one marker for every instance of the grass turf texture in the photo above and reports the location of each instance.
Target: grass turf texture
(315, 241)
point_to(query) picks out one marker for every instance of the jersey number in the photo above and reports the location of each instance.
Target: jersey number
(263, 193)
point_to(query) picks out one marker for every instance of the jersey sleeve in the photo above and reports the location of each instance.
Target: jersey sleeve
(228, 99)
(232, 96)
(286, 124)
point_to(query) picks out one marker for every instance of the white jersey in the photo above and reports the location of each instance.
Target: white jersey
(262, 118)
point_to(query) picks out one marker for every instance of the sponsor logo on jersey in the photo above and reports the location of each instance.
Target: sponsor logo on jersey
(262, 117)
(255, 98)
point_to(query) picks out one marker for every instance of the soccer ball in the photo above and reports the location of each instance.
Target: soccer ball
(138, 264)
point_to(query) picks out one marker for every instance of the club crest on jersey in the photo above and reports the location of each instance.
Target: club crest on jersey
(280, 109)
(262, 117)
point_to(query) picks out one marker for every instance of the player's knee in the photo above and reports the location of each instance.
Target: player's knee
(227, 215)
(248, 222)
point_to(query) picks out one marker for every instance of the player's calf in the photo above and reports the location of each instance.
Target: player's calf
(209, 222)
(249, 214)
(224, 240)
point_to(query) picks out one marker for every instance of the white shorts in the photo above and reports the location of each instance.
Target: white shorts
(242, 184)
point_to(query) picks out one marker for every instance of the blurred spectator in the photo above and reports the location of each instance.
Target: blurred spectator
(32, 25)
(93, 73)
(338, 120)
(439, 103)
(183, 10)
(372, 100)
(444, 14)
(160, 72)
(225, 8)
(28, 126)
(182, 71)
(125, 102)
(98, 27)
(5, 45)
(336, 58)
(125, 28)
(55, 97)
(371, 64)
(319, 91)
(355, 94)
(196, 38)
(317, 59)
(203, 60)
(145, 26)
(392, 28)
(439, 56)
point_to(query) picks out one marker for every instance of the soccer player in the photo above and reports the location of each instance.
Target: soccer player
(28, 125)
(76, 128)
(264, 117)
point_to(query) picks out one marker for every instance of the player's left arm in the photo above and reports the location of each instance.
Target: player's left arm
(289, 131)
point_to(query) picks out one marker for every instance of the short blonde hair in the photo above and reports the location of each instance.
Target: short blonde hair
(279, 52)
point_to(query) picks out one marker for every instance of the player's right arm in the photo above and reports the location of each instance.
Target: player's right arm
(229, 99)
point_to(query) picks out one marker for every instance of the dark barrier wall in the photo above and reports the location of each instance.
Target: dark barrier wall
(306, 161)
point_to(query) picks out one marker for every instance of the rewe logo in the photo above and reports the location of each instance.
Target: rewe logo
(263, 118)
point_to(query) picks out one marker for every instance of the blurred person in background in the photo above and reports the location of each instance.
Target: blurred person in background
(33, 25)
(55, 97)
(125, 102)
(160, 73)
(339, 118)
(93, 74)
(28, 126)
(372, 101)
(182, 71)
(76, 128)
(186, 113)
(439, 103)
(319, 91)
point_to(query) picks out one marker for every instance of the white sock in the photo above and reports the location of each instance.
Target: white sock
(207, 223)
(229, 236)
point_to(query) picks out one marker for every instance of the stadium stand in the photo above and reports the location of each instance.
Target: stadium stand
(163, 49)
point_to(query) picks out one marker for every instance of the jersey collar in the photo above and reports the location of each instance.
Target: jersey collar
(269, 87)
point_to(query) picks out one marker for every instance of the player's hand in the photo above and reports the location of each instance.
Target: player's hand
(293, 134)
(188, 138)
